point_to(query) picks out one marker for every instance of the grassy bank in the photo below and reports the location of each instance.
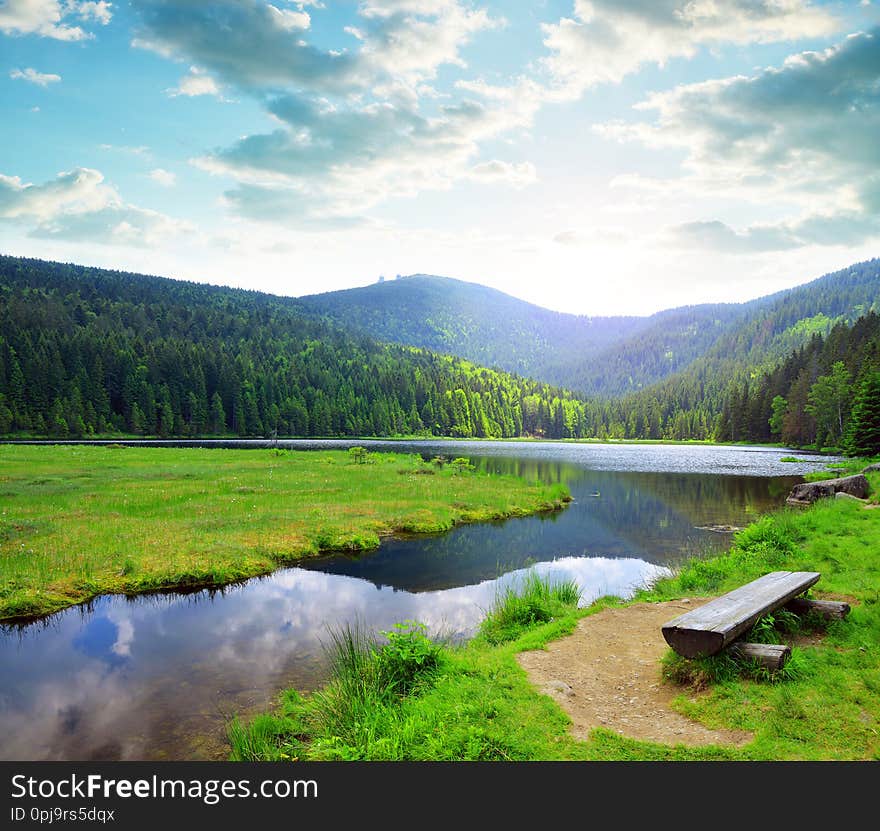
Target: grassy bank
(475, 702)
(78, 521)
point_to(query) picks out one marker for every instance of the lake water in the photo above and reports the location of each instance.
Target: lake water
(158, 676)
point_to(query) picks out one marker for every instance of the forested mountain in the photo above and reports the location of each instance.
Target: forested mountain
(475, 322)
(602, 356)
(695, 402)
(809, 398)
(85, 350)
(605, 356)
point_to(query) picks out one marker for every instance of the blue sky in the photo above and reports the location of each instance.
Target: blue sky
(603, 157)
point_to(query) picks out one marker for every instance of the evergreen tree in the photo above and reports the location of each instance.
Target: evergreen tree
(863, 438)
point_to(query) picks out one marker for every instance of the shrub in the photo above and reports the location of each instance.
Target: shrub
(407, 657)
(462, 465)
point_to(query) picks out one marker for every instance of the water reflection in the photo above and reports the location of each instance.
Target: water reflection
(660, 518)
(156, 677)
(141, 679)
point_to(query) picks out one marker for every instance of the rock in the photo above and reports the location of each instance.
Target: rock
(558, 687)
(872, 468)
(844, 495)
(809, 492)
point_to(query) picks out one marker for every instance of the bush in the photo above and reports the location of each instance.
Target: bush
(408, 657)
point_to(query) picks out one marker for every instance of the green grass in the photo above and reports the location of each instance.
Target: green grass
(478, 704)
(78, 521)
(516, 608)
(452, 703)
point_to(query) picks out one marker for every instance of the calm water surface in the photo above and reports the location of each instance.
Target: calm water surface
(157, 676)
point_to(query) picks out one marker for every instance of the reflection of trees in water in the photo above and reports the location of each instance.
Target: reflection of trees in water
(649, 516)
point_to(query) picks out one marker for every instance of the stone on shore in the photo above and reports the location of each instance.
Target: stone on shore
(808, 492)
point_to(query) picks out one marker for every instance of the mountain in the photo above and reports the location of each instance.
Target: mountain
(781, 345)
(599, 356)
(87, 350)
(466, 319)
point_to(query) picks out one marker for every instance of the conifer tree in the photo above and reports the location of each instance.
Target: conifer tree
(863, 438)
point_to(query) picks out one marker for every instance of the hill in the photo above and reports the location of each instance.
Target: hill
(600, 356)
(706, 399)
(473, 321)
(87, 350)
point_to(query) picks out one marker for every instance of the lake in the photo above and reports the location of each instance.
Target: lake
(157, 676)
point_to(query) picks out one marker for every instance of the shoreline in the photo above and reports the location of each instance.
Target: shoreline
(407, 503)
(821, 708)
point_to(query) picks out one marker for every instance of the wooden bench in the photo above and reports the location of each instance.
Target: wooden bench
(716, 625)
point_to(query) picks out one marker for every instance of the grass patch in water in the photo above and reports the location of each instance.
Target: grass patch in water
(76, 521)
(516, 608)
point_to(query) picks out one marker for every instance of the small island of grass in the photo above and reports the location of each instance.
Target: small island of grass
(79, 521)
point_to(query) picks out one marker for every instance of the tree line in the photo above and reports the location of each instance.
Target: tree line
(86, 351)
(826, 393)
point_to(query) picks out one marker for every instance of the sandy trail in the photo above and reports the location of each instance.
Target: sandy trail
(607, 674)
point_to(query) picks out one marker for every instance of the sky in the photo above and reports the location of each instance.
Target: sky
(601, 158)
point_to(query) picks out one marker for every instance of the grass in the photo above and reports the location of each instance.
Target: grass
(516, 608)
(78, 521)
(410, 698)
(477, 703)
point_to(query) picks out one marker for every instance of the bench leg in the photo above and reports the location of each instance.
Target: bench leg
(771, 656)
(828, 609)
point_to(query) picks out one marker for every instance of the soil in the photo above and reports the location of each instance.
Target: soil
(607, 674)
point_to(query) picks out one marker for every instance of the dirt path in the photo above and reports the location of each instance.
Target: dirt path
(607, 674)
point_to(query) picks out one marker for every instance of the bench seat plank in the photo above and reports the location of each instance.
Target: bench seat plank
(711, 627)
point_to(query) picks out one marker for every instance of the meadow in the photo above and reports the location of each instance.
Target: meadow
(79, 521)
(474, 702)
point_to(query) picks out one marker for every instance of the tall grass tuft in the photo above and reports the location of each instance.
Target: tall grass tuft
(367, 678)
(536, 600)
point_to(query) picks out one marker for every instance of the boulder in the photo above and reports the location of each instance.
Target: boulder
(809, 492)
(872, 468)
(845, 495)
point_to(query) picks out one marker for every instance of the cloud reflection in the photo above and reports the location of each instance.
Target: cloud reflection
(154, 677)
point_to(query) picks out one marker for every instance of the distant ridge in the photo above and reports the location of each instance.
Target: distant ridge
(468, 319)
(604, 356)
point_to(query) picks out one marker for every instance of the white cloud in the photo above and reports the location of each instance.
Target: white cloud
(41, 79)
(254, 45)
(717, 236)
(196, 82)
(408, 41)
(78, 206)
(605, 40)
(163, 177)
(140, 150)
(50, 18)
(517, 175)
(97, 11)
(352, 131)
(806, 134)
(290, 20)
(77, 191)
(338, 161)
(246, 43)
